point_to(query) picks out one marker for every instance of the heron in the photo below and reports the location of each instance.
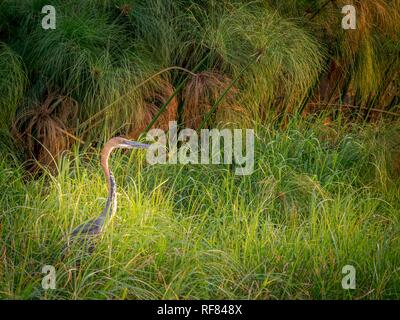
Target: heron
(96, 225)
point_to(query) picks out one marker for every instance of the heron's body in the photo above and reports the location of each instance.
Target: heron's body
(95, 226)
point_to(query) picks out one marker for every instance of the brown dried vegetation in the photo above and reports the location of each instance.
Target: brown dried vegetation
(44, 130)
(202, 92)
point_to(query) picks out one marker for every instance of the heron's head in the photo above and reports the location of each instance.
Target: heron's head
(115, 143)
(119, 142)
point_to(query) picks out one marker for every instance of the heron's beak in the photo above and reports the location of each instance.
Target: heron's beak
(136, 145)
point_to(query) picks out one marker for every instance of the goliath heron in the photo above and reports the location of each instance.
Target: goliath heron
(95, 226)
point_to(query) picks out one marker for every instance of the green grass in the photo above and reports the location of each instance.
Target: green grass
(99, 56)
(12, 84)
(320, 198)
(101, 52)
(322, 195)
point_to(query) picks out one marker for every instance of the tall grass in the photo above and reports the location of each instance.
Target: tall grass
(85, 58)
(324, 193)
(105, 55)
(286, 59)
(320, 198)
(12, 84)
(362, 64)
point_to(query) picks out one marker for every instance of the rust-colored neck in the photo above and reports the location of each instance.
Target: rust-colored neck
(105, 154)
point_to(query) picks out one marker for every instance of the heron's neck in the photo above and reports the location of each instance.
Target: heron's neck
(105, 154)
(112, 186)
(111, 205)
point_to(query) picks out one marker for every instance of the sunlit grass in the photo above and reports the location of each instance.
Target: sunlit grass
(320, 198)
(325, 193)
